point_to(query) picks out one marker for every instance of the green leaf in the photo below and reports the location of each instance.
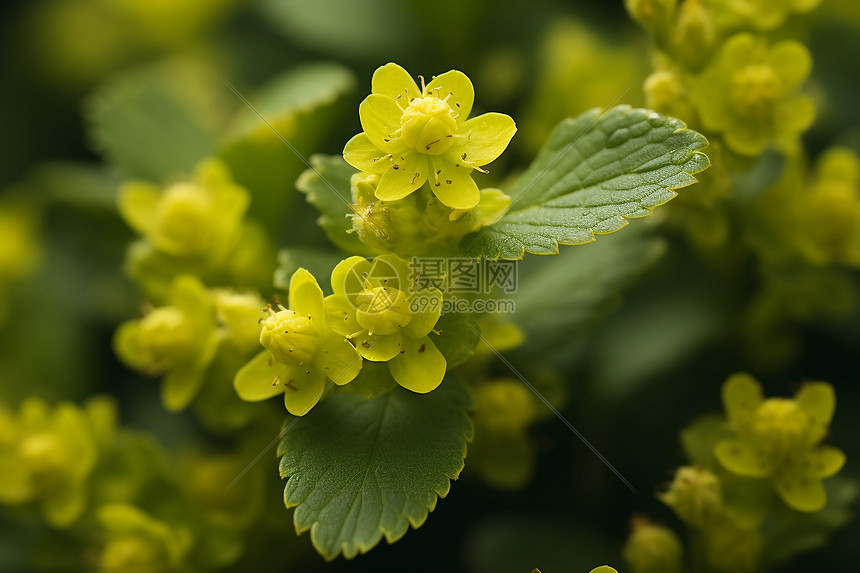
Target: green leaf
(585, 283)
(362, 469)
(459, 335)
(326, 186)
(159, 121)
(319, 262)
(360, 30)
(300, 105)
(594, 172)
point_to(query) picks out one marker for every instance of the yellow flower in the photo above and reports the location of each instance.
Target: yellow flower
(46, 456)
(413, 136)
(748, 93)
(302, 350)
(779, 439)
(374, 306)
(188, 218)
(178, 340)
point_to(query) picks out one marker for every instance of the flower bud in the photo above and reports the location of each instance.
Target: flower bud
(695, 495)
(290, 337)
(694, 34)
(654, 15)
(165, 337)
(652, 548)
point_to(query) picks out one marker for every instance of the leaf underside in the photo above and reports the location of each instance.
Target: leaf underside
(594, 172)
(362, 469)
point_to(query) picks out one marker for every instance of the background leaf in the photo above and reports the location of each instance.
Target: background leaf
(362, 469)
(595, 171)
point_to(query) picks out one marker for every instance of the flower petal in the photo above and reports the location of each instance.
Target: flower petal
(340, 315)
(347, 279)
(391, 269)
(379, 347)
(180, 385)
(825, 461)
(453, 185)
(380, 119)
(362, 154)
(457, 87)
(410, 174)
(261, 378)
(391, 80)
(138, 205)
(792, 62)
(306, 296)
(800, 491)
(339, 359)
(818, 400)
(488, 136)
(426, 306)
(742, 394)
(421, 367)
(742, 459)
(304, 391)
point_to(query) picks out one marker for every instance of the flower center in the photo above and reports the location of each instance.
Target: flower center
(780, 425)
(428, 125)
(184, 217)
(755, 90)
(382, 310)
(165, 336)
(289, 336)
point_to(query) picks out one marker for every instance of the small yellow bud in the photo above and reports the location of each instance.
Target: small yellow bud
(695, 495)
(165, 337)
(652, 548)
(290, 337)
(694, 34)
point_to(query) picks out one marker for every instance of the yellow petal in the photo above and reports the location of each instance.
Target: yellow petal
(457, 87)
(391, 269)
(189, 295)
(818, 400)
(379, 347)
(800, 491)
(421, 367)
(304, 392)
(824, 461)
(410, 174)
(306, 296)
(487, 136)
(391, 80)
(340, 315)
(362, 154)
(453, 185)
(380, 119)
(339, 359)
(348, 277)
(742, 459)
(792, 62)
(180, 385)
(742, 394)
(426, 306)
(138, 205)
(64, 503)
(261, 378)
(738, 52)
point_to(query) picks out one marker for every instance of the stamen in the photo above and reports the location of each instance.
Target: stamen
(275, 383)
(423, 87)
(431, 143)
(414, 177)
(397, 97)
(447, 97)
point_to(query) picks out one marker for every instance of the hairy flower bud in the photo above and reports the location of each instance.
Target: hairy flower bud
(695, 495)
(652, 548)
(290, 337)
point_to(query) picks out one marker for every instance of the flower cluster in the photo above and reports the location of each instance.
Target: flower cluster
(414, 136)
(371, 316)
